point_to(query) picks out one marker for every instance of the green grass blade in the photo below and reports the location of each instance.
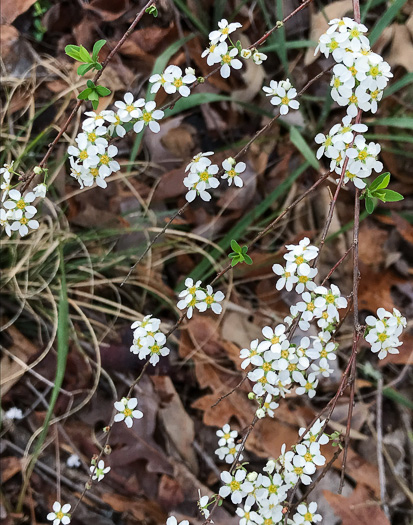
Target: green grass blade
(197, 23)
(62, 350)
(396, 122)
(392, 394)
(400, 84)
(385, 20)
(299, 142)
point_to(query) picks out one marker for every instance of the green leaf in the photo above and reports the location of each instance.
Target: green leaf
(90, 84)
(151, 10)
(235, 261)
(391, 196)
(84, 68)
(84, 55)
(247, 259)
(93, 95)
(369, 205)
(235, 246)
(244, 249)
(97, 66)
(400, 84)
(96, 48)
(396, 122)
(73, 52)
(103, 91)
(95, 103)
(298, 140)
(382, 181)
(84, 95)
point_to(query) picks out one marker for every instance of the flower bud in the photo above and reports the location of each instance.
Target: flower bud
(260, 413)
(251, 395)
(37, 170)
(189, 71)
(88, 485)
(252, 476)
(107, 450)
(246, 53)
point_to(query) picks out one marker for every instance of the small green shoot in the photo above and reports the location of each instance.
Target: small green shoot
(151, 10)
(377, 191)
(93, 93)
(81, 54)
(239, 254)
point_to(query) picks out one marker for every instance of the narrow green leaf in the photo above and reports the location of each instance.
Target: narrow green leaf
(369, 205)
(90, 84)
(244, 249)
(382, 181)
(84, 95)
(396, 122)
(84, 68)
(391, 196)
(400, 84)
(385, 20)
(391, 393)
(234, 261)
(298, 140)
(84, 55)
(73, 52)
(247, 259)
(235, 246)
(97, 66)
(96, 48)
(190, 14)
(95, 103)
(103, 91)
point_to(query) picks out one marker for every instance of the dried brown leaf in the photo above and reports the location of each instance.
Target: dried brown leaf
(11, 9)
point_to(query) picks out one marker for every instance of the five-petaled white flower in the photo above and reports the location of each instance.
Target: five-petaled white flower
(148, 117)
(126, 411)
(209, 299)
(99, 470)
(60, 513)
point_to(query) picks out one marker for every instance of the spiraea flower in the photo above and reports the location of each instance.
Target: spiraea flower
(99, 470)
(209, 299)
(129, 108)
(214, 52)
(226, 435)
(127, 411)
(173, 521)
(383, 332)
(306, 514)
(228, 60)
(178, 82)
(235, 486)
(285, 99)
(233, 171)
(198, 160)
(188, 296)
(60, 514)
(224, 29)
(149, 116)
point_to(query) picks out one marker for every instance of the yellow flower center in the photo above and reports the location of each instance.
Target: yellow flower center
(209, 300)
(192, 290)
(127, 412)
(266, 405)
(382, 337)
(298, 470)
(287, 275)
(226, 59)
(266, 367)
(130, 108)
(193, 302)
(263, 380)
(345, 129)
(308, 386)
(147, 117)
(83, 155)
(275, 340)
(24, 221)
(253, 352)
(232, 451)
(299, 260)
(353, 99)
(350, 175)
(374, 71)
(354, 33)
(308, 457)
(362, 155)
(21, 204)
(323, 353)
(178, 82)
(333, 45)
(225, 31)
(231, 173)
(291, 367)
(285, 100)
(91, 137)
(312, 439)
(212, 48)
(330, 298)
(226, 436)
(234, 485)
(204, 176)
(285, 354)
(247, 515)
(308, 516)
(155, 349)
(310, 306)
(374, 94)
(104, 159)
(353, 70)
(59, 515)
(302, 279)
(337, 82)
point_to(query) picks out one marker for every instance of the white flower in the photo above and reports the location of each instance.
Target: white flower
(271, 91)
(285, 99)
(295, 469)
(20, 212)
(19, 202)
(148, 117)
(130, 108)
(331, 43)
(99, 471)
(5, 217)
(203, 503)
(229, 452)
(209, 299)
(40, 190)
(235, 486)
(258, 57)
(312, 435)
(232, 173)
(248, 516)
(173, 521)
(13, 413)
(87, 153)
(322, 368)
(307, 385)
(199, 180)
(188, 296)
(305, 276)
(224, 30)
(94, 121)
(214, 53)
(177, 82)
(156, 348)
(73, 461)
(226, 435)
(106, 163)
(126, 411)
(60, 514)
(160, 80)
(116, 125)
(148, 324)
(270, 405)
(199, 159)
(275, 337)
(305, 514)
(323, 351)
(229, 61)
(287, 276)
(252, 355)
(246, 53)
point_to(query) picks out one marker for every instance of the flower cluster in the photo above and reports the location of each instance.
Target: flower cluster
(194, 295)
(283, 95)
(92, 160)
(358, 81)
(228, 450)
(148, 340)
(263, 494)
(218, 51)
(383, 331)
